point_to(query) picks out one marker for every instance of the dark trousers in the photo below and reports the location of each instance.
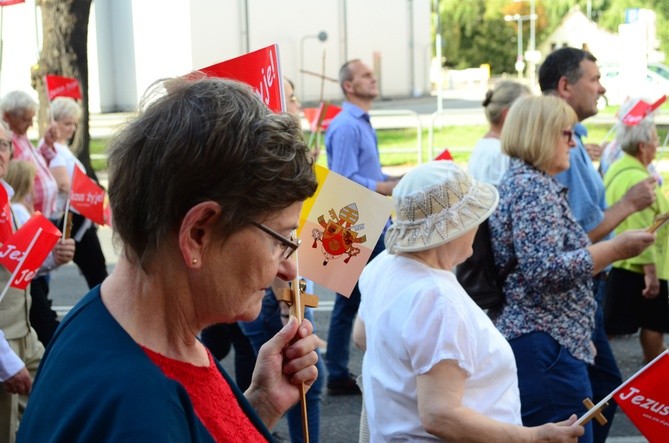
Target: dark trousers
(88, 254)
(42, 318)
(604, 374)
(341, 326)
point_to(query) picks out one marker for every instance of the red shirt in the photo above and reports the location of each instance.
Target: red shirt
(45, 189)
(213, 400)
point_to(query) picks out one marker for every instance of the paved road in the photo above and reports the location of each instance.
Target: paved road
(340, 415)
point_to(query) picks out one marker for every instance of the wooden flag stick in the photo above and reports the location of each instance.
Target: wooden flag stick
(297, 309)
(321, 116)
(596, 409)
(659, 221)
(608, 134)
(323, 76)
(67, 221)
(316, 74)
(296, 297)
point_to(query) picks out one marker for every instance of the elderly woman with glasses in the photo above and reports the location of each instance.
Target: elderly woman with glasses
(20, 349)
(435, 367)
(636, 288)
(198, 249)
(548, 316)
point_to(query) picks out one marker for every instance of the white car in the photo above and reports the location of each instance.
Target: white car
(652, 87)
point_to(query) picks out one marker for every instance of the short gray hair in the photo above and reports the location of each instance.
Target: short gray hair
(64, 107)
(345, 73)
(629, 137)
(206, 140)
(17, 101)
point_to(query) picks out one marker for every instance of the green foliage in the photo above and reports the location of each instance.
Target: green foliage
(474, 31)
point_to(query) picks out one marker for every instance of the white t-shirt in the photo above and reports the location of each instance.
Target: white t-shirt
(488, 163)
(415, 317)
(66, 158)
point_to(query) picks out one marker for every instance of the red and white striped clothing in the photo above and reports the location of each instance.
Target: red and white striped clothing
(45, 190)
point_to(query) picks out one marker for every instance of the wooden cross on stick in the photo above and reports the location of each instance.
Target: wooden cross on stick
(315, 135)
(297, 299)
(297, 304)
(596, 414)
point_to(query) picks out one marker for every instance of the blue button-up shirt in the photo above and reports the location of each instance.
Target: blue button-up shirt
(352, 147)
(586, 195)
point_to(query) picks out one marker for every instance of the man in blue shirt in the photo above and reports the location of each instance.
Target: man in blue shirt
(352, 151)
(572, 74)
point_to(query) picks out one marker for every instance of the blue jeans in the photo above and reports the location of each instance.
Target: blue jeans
(261, 330)
(604, 374)
(341, 326)
(552, 382)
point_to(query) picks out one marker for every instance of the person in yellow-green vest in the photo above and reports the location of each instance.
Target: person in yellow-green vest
(636, 291)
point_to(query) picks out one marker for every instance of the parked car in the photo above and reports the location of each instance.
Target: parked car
(654, 85)
(660, 69)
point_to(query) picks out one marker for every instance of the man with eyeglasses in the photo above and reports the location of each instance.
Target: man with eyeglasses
(352, 151)
(572, 74)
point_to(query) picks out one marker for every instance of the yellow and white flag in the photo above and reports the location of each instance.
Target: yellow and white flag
(339, 227)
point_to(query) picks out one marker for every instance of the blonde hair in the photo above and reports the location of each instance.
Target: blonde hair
(21, 176)
(64, 107)
(533, 127)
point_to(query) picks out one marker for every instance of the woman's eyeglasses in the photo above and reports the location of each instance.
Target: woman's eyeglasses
(288, 245)
(5, 146)
(568, 135)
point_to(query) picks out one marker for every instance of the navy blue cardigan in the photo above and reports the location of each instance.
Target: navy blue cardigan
(95, 384)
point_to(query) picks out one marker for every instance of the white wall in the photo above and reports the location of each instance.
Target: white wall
(19, 50)
(132, 43)
(577, 30)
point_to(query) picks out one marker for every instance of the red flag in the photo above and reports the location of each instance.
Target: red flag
(57, 86)
(640, 110)
(260, 69)
(445, 155)
(645, 400)
(5, 216)
(27, 248)
(315, 115)
(11, 2)
(88, 197)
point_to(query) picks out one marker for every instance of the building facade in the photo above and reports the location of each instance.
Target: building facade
(132, 43)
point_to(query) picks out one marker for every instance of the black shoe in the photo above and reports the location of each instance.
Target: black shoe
(344, 386)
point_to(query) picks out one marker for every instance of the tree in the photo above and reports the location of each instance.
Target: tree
(65, 52)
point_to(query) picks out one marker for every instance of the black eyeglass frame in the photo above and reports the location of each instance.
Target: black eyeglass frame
(288, 243)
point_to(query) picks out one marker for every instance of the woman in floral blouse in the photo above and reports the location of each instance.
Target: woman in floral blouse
(548, 317)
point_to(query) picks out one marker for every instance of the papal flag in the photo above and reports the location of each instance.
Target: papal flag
(339, 227)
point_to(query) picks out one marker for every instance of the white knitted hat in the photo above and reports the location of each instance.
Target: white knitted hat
(435, 203)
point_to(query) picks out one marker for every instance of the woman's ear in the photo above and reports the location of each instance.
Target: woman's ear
(197, 231)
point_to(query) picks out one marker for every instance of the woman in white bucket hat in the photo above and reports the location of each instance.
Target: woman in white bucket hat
(435, 367)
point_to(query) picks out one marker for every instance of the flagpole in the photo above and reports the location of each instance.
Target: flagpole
(613, 128)
(319, 121)
(595, 409)
(20, 264)
(65, 220)
(298, 309)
